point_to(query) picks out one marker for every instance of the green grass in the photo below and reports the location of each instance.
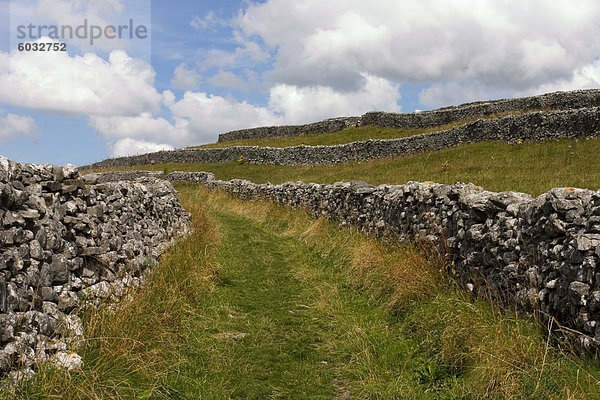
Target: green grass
(529, 168)
(282, 325)
(263, 302)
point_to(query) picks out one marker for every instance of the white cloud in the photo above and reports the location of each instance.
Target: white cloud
(209, 21)
(248, 52)
(196, 118)
(207, 115)
(141, 126)
(66, 9)
(585, 77)
(300, 105)
(453, 92)
(228, 79)
(86, 84)
(200, 117)
(128, 146)
(499, 45)
(73, 10)
(13, 126)
(184, 78)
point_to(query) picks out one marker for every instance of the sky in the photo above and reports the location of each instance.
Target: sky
(145, 75)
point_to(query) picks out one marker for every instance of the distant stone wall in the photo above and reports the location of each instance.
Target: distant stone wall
(64, 238)
(534, 127)
(541, 253)
(328, 125)
(125, 176)
(429, 119)
(443, 116)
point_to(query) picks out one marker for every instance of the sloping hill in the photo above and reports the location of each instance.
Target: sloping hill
(525, 127)
(429, 119)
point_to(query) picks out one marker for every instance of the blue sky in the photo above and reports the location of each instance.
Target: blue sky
(209, 67)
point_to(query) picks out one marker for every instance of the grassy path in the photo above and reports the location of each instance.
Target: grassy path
(303, 310)
(282, 323)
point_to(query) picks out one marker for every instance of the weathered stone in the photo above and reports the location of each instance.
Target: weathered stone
(554, 226)
(594, 223)
(3, 294)
(59, 270)
(360, 187)
(66, 189)
(588, 241)
(71, 207)
(12, 218)
(90, 179)
(52, 186)
(36, 251)
(58, 173)
(580, 288)
(30, 214)
(7, 323)
(67, 301)
(505, 199)
(5, 169)
(96, 211)
(595, 301)
(48, 294)
(92, 251)
(69, 172)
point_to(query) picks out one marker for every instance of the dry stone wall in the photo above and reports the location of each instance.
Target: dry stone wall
(328, 125)
(428, 119)
(66, 238)
(532, 127)
(542, 254)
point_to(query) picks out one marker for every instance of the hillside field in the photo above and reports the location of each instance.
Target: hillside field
(532, 168)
